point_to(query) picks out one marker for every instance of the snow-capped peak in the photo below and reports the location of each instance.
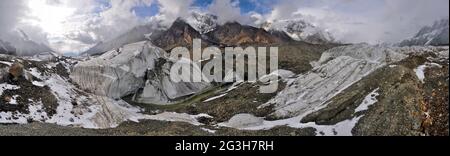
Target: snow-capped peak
(19, 43)
(202, 22)
(300, 30)
(435, 35)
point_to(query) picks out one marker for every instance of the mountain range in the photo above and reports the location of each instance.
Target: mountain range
(434, 35)
(206, 27)
(325, 88)
(18, 43)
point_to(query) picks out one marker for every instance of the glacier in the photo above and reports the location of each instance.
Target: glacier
(138, 69)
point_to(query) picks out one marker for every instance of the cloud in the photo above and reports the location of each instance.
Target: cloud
(226, 10)
(10, 12)
(12, 26)
(90, 21)
(170, 10)
(364, 21)
(93, 21)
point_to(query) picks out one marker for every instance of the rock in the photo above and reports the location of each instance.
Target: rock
(236, 34)
(8, 98)
(244, 120)
(16, 70)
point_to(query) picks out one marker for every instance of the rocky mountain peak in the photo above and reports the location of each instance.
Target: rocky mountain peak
(300, 30)
(179, 34)
(202, 22)
(435, 35)
(233, 33)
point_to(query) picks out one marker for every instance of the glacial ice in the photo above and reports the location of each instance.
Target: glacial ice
(140, 69)
(336, 70)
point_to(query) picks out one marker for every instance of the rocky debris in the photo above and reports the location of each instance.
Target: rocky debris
(398, 103)
(395, 101)
(399, 109)
(335, 71)
(20, 96)
(45, 94)
(296, 57)
(145, 128)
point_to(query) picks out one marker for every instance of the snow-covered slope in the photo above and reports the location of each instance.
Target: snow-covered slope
(435, 35)
(300, 30)
(202, 22)
(18, 43)
(6, 48)
(139, 33)
(45, 93)
(342, 81)
(336, 70)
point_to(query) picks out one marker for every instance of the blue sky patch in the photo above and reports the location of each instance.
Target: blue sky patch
(147, 11)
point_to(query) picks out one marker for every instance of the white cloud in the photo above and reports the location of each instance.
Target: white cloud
(362, 20)
(80, 24)
(10, 11)
(170, 10)
(11, 15)
(91, 21)
(226, 10)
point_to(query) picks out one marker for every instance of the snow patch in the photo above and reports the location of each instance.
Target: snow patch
(178, 117)
(250, 122)
(5, 86)
(39, 84)
(368, 101)
(14, 100)
(208, 130)
(420, 70)
(215, 97)
(36, 113)
(6, 63)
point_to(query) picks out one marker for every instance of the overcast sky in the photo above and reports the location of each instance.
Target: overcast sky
(76, 25)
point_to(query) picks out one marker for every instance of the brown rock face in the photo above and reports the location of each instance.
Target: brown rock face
(235, 34)
(180, 34)
(16, 70)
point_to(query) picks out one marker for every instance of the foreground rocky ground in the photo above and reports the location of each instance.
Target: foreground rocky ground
(145, 128)
(324, 90)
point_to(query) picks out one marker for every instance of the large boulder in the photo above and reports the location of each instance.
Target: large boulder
(16, 71)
